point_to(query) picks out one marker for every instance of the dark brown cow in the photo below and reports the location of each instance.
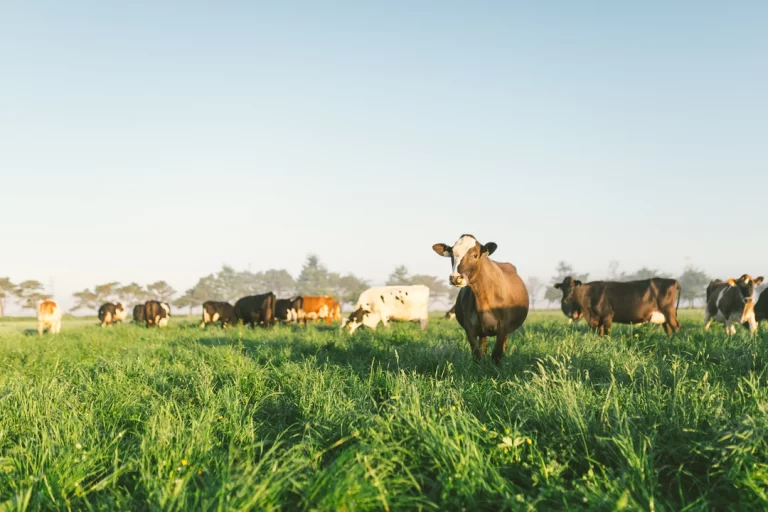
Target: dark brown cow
(732, 302)
(570, 310)
(633, 302)
(138, 313)
(493, 300)
(155, 314)
(761, 306)
(218, 311)
(289, 311)
(256, 309)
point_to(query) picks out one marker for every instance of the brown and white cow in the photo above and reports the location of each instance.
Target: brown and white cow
(48, 317)
(111, 313)
(156, 313)
(289, 311)
(493, 300)
(732, 302)
(633, 302)
(218, 311)
(319, 308)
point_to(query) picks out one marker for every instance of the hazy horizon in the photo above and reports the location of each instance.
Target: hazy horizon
(146, 142)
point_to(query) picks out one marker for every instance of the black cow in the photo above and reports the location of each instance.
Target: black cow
(633, 302)
(761, 308)
(289, 310)
(138, 313)
(256, 309)
(156, 314)
(218, 311)
(111, 313)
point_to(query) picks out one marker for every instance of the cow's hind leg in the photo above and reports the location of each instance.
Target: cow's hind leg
(499, 348)
(484, 345)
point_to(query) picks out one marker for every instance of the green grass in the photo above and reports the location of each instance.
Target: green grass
(182, 419)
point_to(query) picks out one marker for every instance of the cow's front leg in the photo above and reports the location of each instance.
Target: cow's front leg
(385, 321)
(473, 344)
(499, 348)
(484, 345)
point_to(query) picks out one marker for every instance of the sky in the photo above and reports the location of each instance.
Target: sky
(155, 140)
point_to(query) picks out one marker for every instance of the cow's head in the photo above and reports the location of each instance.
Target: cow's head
(746, 285)
(465, 256)
(567, 304)
(360, 316)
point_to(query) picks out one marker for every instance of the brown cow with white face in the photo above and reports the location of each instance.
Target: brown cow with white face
(493, 300)
(732, 302)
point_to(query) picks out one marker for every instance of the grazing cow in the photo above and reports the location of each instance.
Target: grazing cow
(385, 303)
(256, 309)
(571, 310)
(633, 302)
(48, 317)
(138, 313)
(289, 310)
(167, 308)
(732, 302)
(155, 314)
(451, 313)
(319, 308)
(111, 313)
(218, 311)
(493, 300)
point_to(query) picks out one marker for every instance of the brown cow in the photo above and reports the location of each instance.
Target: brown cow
(732, 302)
(319, 308)
(571, 310)
(632, 302)
(493, 300)
(156, 314)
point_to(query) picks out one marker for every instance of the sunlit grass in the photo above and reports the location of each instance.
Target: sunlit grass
(183, 418)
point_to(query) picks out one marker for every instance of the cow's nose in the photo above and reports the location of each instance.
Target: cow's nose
(455, 279)
(747, 300)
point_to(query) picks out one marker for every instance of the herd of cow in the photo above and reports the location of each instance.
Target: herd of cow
(492, 301)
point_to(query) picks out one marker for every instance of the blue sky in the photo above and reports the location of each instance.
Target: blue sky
(157, 140)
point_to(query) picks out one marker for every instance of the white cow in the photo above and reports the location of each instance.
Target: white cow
(385, 303)
(48, 316)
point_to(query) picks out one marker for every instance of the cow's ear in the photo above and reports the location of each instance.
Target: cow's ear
(577, 283)
(558, 285)
(731, 282)
(442, 250)
(490, 248)
(759, 280)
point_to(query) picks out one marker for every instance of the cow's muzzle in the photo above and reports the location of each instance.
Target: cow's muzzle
(457, 280)
(747, 300)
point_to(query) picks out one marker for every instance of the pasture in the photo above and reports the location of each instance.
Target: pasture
(291, 419)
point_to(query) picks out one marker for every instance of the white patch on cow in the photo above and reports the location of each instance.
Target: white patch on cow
(216, 317)
(460, 249)
(657, 317)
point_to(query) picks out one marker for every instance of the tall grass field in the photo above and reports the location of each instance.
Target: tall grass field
(128, 418)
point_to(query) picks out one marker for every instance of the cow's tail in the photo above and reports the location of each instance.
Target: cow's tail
(269, 313)
(679, 294)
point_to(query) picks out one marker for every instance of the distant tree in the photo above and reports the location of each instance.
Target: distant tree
(29, 292)
(86, 299)
(313, 279)
(247, 283)
(693, 284)
(346, 288)
(7, 288)
(645, 273)
(278, 281)
(106, 292)
(534, 285)
(613, 272)
(132, 293)
(161, 291)
(188, 300)
(399, 276)
(437, 287)
(563, 270)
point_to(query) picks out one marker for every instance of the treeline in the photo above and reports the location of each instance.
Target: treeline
(26, 293)
(693, 281)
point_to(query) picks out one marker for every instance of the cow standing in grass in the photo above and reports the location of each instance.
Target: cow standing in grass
(218, 311)
(493, 300)
(633, 302)
(732, 302)
(155, 315)
(256, 309)
(111, 313)
(48, 317)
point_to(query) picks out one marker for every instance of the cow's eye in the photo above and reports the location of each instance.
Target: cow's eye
(476, 256)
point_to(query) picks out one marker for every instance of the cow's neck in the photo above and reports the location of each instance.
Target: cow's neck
(483, 279)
